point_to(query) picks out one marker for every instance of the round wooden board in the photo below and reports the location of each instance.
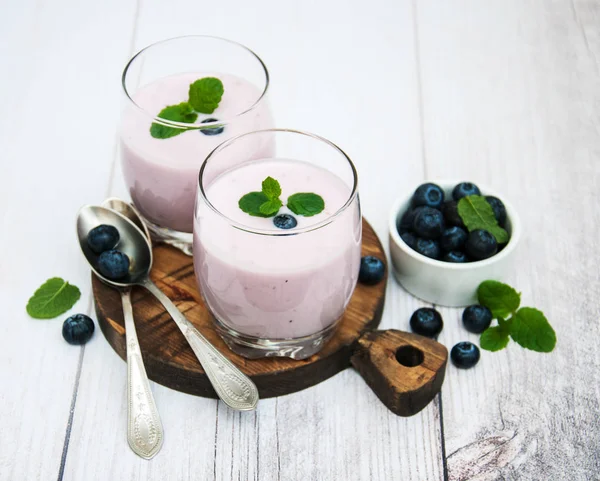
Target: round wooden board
(170, 361)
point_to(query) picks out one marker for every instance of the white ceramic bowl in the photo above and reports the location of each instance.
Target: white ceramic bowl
(447, 283)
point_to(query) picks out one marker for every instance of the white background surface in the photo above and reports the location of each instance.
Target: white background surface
(502, 92)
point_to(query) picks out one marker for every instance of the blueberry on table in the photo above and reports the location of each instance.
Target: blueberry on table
(407, 219)
(113, 264)
(78, 329)
(465, 355)
(430, 195)
(481, 245)
(410, 239)
(464, 189)
(211, 130)
(429, 248)
(285, 221)
(103, 238)
(450, 211)
(453, 238)
(428, 223)
(477, 318)
(498, 207)
(426, 321)
(371, 270)
(457, 257)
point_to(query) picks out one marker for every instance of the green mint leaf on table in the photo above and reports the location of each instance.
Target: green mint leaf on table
(306, 204)
(499, 298)
(251, 202)
(270, 208)
(271, 188)
(531, 329)
(494, 338)
(477, 213)
(54, 297)
(205, 94)
(176, 113)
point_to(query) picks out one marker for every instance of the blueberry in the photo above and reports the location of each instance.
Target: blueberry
(78, 329)
(498, 208)
(457, 257)
(103, 238)
(406, 222)
(428, 223)
(285, 221)
(426, 322)
(212, 130)
(481, 245)
(477, 318)
(429, 248)
(371, 271)
(410, 239)
(113, 264)
(429, 195)
(464, 189)
(453, 239)
(465, 355)
(450, 211)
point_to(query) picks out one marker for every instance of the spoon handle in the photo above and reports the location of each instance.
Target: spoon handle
(233, 387)
(144, 429)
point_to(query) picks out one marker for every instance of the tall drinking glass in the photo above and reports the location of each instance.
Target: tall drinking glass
(278, 282)
(161, 156)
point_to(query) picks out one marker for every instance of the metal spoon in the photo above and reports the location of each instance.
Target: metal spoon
(230, 384)
(126, 209)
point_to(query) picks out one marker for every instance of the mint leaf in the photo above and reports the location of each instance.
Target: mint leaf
(270, 208)
(205, 94)
(271, 188)
(477, 213)
(251, 202)
(494, 338)
(531, 329)
(306, 204)
(52, 298)
(177, 113)
(499, 298)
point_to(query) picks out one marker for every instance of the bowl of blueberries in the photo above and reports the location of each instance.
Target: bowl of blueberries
(447, 237)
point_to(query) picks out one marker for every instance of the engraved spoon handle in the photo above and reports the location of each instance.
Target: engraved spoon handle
(144, 429)
(233, 387)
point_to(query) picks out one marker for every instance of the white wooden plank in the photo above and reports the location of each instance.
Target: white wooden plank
(510, 94)
(328, 62)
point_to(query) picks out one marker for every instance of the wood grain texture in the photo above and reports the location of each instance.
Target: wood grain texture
(170, 361)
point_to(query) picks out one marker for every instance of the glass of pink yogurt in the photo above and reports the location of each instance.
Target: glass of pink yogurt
(161, 151)
(277, 284)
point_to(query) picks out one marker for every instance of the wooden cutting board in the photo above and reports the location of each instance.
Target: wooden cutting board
(405, 370)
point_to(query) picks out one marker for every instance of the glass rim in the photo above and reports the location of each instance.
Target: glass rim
(195, 126)
(269, 232)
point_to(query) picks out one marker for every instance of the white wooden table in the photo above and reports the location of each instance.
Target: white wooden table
(502, 92)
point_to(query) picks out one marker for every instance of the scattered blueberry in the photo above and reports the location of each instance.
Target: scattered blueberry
(465, 355)
(410, 239)
(426, 322)
(371, 271)
(430, 195)
(285, 221)
(453, 238)
(406, 222)
(481, 245)
(457, 257)
(113, 264)
(450, 211)
(103, 238)
(464, 189)
(78, 329)
(428, 223)
(498, 208)
(212, 130)
(477, 318)
(429, 248)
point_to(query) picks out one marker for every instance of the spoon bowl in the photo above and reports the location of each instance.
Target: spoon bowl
(126, 209)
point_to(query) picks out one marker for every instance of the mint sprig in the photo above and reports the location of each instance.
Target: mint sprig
(205, 94)
(477, 213)
(52, 298)
(267, 203)
(526, 326)
(177, 113)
